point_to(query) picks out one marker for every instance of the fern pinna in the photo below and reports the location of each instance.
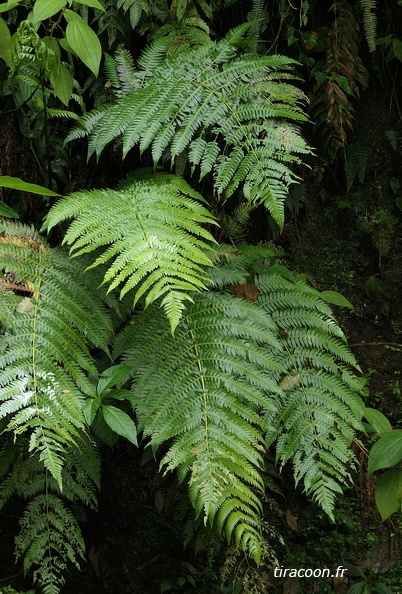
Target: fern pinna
(51, 314)
(232, 114)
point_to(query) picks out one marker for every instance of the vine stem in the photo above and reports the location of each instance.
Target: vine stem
(396, 345)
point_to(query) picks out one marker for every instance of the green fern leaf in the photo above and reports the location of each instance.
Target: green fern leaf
(204, 389)
(318, 415)
(228, 100)
(49, 537)
(370, 22)
(152, 229)
(45, 340)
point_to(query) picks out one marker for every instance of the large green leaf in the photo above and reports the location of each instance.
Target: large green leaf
(120, 422)
(84, 41)
(388, 493)
(15, 183)
(44, 9)
(5, 42)
(386, 452)
(377, 420)
(62, 82)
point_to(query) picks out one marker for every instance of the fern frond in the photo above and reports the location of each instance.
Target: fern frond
(228, 99)
(45, 343)
(319, 410)
(152, 229)
(50, 538)
(204, 388)
(370, 22)
(357, 155)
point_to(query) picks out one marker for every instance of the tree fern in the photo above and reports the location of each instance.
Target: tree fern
(233, 114)
(152, 227)
(238, 375)
(203, 388)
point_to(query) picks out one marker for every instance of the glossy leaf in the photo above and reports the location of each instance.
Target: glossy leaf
(388, 493)
(6, 211)
(15, 183)
(335, 298)
(84, 42)
(111, 377)
(61, 80)
(386, 452)
(377, 420)
(120, 422)
(90, 409)
(44, 9)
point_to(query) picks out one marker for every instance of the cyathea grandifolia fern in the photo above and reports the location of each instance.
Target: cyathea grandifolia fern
(238, 375)
(225, 354)
(231, 113)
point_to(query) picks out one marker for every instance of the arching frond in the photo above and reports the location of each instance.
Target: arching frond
(152, 230)
(265, 364)
(319, 410)
(51, 314)
(243, 106)
(203, 389)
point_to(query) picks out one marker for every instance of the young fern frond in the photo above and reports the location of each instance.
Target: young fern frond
(223, 97)
(152, 230)
(45, 341)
